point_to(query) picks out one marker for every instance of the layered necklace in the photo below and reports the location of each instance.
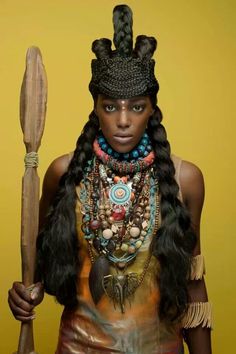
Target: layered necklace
(120, 206)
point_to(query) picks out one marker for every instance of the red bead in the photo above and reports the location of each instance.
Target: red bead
(94, 224)
(119, 213)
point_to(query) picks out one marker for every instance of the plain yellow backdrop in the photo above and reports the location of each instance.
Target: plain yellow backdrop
(196, 70)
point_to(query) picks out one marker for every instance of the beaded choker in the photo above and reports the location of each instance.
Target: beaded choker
(142, 150)
(125, 167)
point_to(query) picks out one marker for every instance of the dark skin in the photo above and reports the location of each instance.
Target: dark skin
(123, 123)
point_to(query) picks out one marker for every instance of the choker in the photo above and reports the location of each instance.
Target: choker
(123, 166)
(141, 150)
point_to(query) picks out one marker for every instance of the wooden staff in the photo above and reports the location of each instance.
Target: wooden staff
(33, 100)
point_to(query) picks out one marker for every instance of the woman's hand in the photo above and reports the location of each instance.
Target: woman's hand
(22, 300)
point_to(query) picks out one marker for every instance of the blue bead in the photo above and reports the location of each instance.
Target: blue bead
(149, 148)
(116, 154)
(141, 148)
(104, 146)
(109, 151)
(145, 153)
(135, 154)
(145, 135)
(101, 139)
(126, 156)
(144, 141)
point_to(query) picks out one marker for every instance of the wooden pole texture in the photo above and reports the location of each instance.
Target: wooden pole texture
(33, 101)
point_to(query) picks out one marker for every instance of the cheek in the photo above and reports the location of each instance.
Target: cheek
(106, 126)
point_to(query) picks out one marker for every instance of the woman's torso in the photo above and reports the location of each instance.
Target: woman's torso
(103, 328)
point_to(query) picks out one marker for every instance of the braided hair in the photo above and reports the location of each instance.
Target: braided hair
(57, 243)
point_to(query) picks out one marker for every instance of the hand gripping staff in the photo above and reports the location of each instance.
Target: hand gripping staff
(33, 100)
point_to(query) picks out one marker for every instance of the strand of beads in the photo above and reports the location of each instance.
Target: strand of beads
(141, 150)
(118, 232)
(124, 167)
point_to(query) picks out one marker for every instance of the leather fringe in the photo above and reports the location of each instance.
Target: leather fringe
(198, 313)
(197, 268)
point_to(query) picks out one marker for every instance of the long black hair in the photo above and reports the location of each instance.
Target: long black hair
(57, 244)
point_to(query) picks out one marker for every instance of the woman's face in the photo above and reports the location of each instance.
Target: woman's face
(123, 121)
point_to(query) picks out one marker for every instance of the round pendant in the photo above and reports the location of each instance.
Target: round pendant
(120, 194)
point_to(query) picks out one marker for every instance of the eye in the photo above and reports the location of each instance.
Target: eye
(109, 108)
(138, 108)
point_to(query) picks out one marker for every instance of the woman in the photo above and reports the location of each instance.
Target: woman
(119, 244)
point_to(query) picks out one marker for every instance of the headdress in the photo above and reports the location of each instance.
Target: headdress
(124, 72)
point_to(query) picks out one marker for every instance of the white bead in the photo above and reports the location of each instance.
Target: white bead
(134, 231)
(107, 234)
(124, 247)
(138, 244)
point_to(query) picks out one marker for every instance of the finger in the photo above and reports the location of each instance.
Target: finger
(17, 311)
(22, 291)
(18, 301)
(37, 292)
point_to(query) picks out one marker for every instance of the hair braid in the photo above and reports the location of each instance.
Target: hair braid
(145, 47)
(123, 33)
(57, 243)
(176, 240)
(102, 48)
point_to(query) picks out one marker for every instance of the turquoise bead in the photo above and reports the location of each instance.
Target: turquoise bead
(144, 141)
(104, 146)
(135, 154)
(110, 151)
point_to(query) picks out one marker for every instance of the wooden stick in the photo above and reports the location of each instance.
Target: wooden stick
(32, 118)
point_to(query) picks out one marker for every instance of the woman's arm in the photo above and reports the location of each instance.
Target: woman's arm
(22, 301)
(192, 187)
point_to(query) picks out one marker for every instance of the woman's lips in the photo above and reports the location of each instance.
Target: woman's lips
(123, 139)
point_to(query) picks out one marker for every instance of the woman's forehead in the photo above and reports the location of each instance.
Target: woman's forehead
(125, 100)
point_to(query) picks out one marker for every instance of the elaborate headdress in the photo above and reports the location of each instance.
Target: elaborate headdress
(124, 72)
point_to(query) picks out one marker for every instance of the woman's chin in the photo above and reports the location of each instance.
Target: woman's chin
(122, 149)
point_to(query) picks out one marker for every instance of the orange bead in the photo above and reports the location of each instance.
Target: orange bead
(116, 179)
(124, 179)
(132, 196)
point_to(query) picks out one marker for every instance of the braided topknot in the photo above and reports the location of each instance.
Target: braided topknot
(123, 33)
(145, 47)
(102, 48)
(123, 72)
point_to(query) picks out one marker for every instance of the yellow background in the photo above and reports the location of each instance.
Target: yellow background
(196, 71)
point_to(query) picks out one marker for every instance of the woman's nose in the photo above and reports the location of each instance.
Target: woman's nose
(123, 119)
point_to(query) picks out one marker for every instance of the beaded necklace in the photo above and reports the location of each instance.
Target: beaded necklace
(125, 167)
(119, 212)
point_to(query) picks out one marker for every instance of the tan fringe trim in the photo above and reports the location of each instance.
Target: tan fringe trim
(198, 313)
(197, 268)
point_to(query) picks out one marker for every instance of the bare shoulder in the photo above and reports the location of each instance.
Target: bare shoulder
(51, 183)
(56, 169)
(192, 183)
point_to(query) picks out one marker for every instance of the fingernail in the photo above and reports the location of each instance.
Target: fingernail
(33, 295)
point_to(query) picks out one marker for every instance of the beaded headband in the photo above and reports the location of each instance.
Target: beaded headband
(124, 72)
